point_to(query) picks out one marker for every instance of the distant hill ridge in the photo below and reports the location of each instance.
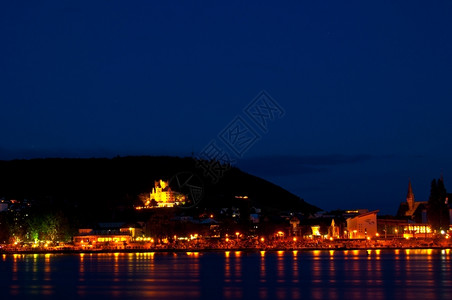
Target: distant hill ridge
(101, 184)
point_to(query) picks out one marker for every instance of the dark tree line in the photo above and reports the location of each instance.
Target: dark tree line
(438, 210)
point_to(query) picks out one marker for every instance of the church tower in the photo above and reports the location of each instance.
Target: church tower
(410, 197)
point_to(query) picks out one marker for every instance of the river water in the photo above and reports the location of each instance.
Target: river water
(352, 274)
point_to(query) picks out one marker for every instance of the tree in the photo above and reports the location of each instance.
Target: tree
(51, 226)
(437, 211)
(144, 198)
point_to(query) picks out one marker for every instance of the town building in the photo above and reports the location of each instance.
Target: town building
(411, 209)
(107, 235)
(362, 226)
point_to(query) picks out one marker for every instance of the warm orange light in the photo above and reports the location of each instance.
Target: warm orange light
(262, 239)
(227, 239)
(294, 239)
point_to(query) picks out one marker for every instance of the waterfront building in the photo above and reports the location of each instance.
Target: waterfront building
(115, 235)
(362, 226)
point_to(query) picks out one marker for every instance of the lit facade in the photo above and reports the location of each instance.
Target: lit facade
(164, 196)
(362, 226)
(417, 230)
(102, 240)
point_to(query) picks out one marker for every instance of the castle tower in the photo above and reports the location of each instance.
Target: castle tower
(410, 197)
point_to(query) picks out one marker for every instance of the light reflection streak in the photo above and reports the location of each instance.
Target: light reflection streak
(47, 267)
(295, 267)
(262, 273)
(116, 267)
(281, 293)
(238, 267)
(227, 267)
(280, 266)
(14, 267)
(233, 293)
(81, 271)
(35, 266)
(263, 293)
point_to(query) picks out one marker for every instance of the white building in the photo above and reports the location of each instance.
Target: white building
(362, 226)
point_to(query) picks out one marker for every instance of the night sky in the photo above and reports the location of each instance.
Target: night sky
(365, 89)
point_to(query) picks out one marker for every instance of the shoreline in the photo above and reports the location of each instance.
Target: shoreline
(176, 250)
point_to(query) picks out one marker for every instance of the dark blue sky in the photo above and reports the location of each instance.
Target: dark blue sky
(366, 88)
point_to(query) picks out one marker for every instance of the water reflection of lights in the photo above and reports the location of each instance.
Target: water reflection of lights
(47, 267)
(116, 267)
(227, 267)
(425, 275)
(262, 273)
(295, 267)
(238, 267)
(280, 267)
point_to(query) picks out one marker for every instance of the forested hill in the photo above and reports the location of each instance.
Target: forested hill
(99, 184)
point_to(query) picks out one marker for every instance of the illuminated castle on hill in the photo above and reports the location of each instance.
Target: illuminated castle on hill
(163, 196)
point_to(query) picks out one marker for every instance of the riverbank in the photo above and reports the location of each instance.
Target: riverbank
(175, 250)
